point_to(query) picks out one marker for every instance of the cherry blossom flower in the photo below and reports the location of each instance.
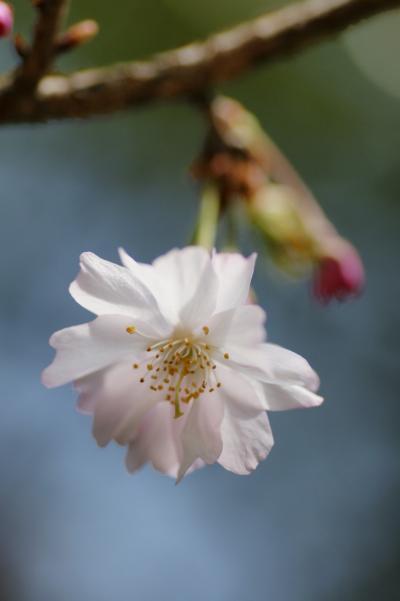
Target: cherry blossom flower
(175, 365)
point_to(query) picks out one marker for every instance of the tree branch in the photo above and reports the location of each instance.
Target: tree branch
(38, 61)
(185, 72)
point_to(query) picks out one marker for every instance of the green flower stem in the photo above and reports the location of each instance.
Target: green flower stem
(205, 232)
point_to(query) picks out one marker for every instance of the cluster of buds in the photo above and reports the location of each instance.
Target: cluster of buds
(245, 164)
(6, 19)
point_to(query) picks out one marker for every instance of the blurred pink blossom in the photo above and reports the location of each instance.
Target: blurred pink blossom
(339, 276)
(6, 19)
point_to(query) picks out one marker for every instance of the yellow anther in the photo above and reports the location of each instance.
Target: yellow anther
(141, 380)
(181, 369)
(131, 329)
(226, 355)
(219, 384)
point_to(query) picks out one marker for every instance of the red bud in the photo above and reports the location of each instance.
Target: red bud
(339, 277)
(6, 19)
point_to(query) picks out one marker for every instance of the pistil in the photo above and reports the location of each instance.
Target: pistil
(181, 367)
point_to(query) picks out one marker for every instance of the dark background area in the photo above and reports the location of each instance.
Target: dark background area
(317, 521)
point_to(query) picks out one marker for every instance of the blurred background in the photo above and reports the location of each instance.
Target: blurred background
(317, 521)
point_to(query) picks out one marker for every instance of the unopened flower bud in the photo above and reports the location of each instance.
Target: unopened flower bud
(76, 35)
(340, 275)
(6, 19)
(274, 211)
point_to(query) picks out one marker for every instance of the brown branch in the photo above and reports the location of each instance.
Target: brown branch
(38, 62)
(187, 71)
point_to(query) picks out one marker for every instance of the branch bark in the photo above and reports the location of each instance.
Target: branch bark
(185, 72)
(39, 60)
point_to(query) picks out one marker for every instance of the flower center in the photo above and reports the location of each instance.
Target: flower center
(180, 368)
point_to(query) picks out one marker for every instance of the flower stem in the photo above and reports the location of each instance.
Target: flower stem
(207, 223)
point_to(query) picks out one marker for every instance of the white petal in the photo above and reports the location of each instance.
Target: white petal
(248, 326)
(291, 367)
(157, 441)
(85, 386)
(281, 397)
(246, 394)
(145, 272)
(243, 326)
(89, 347)
(178, 273)
(246, 441)
(200, 307)
(103, 287)
(120, 401)
(234, 274)
(201, 437)
(270, 363)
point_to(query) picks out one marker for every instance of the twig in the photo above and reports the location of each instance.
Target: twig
(187, 71)
(38, 61)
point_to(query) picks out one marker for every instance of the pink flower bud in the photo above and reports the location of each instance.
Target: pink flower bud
(339, 276)
(6, 19)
